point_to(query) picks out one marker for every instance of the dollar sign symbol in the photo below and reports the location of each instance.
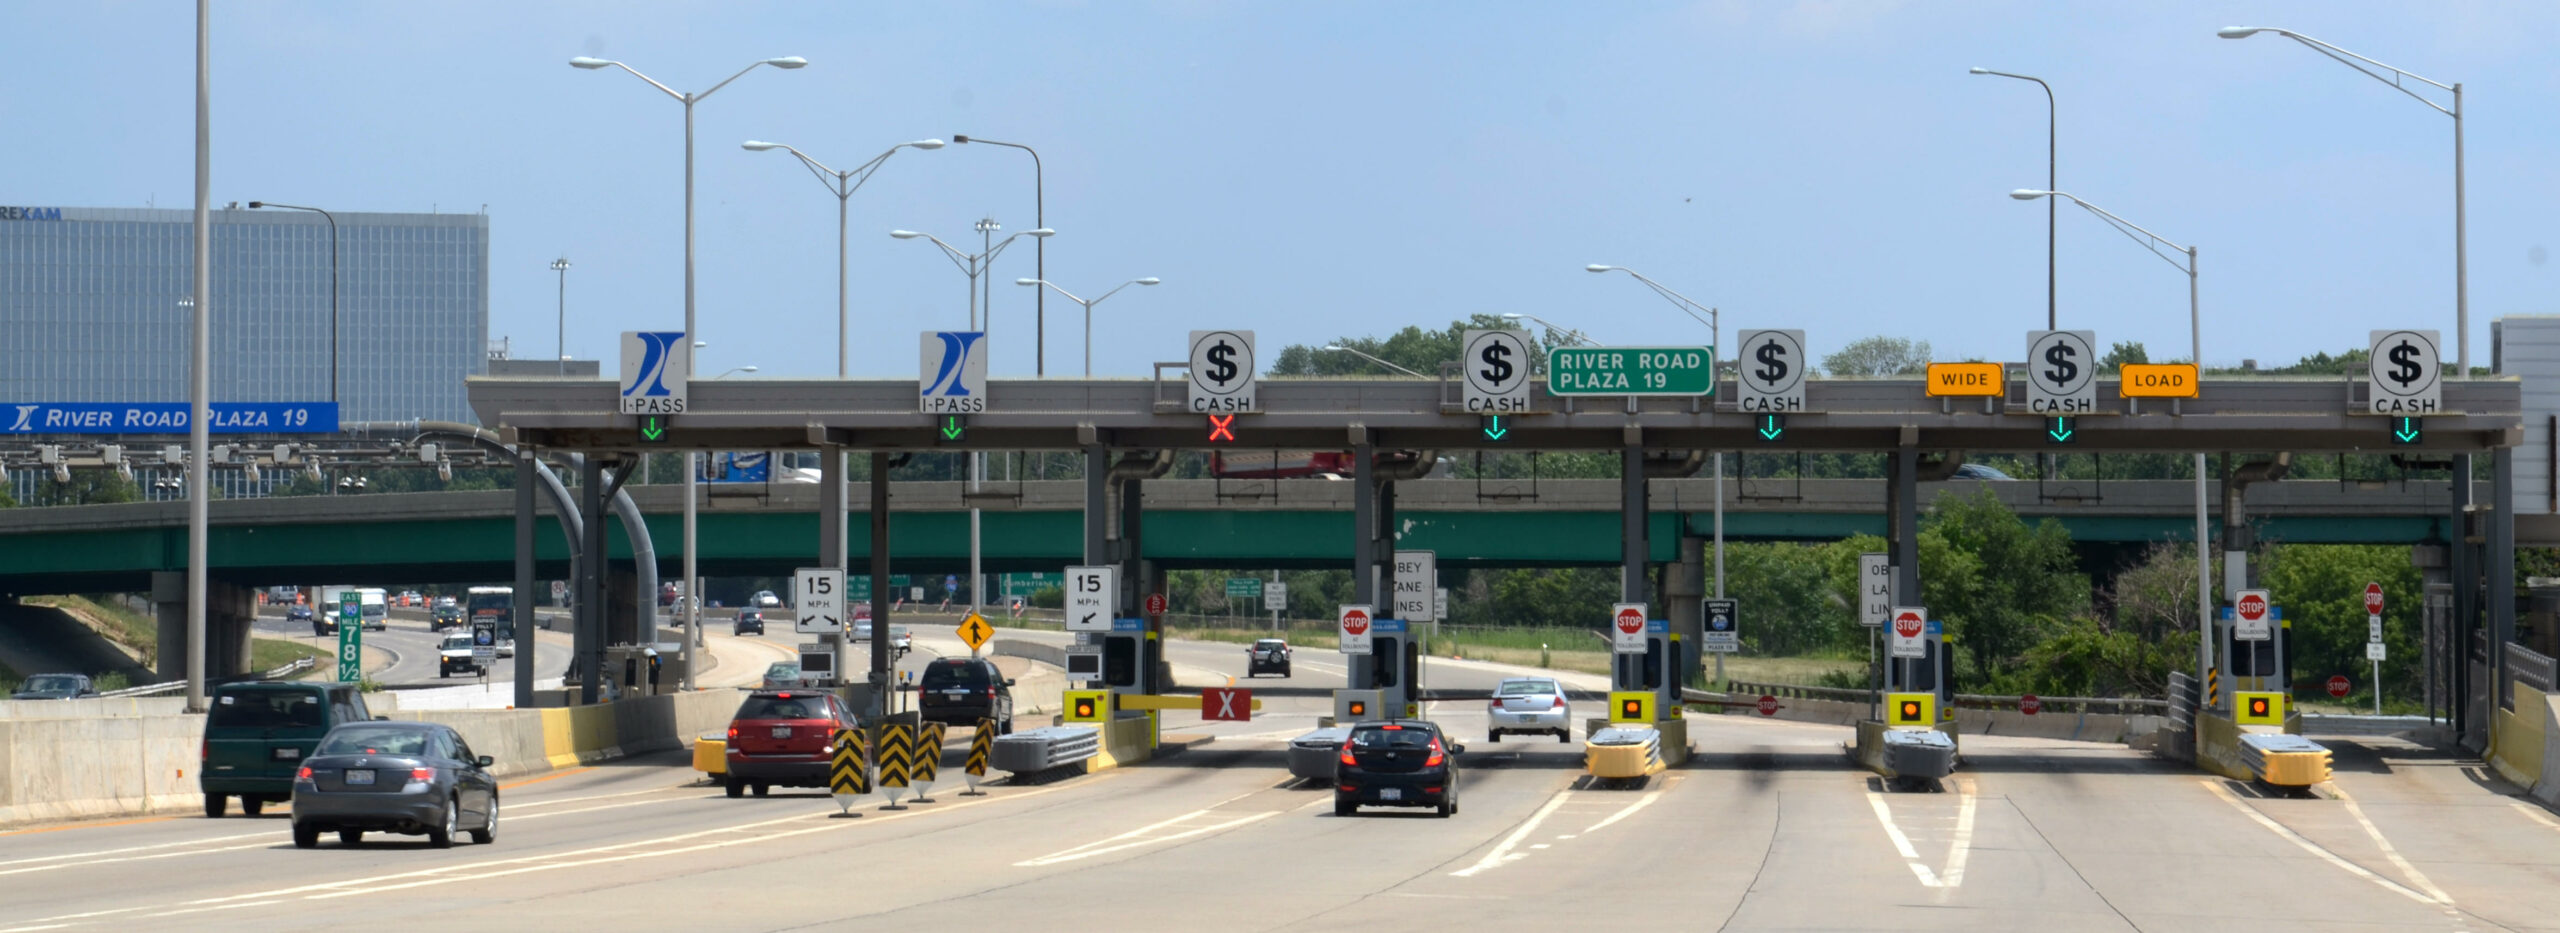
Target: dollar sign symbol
(2064, 370)
(1497, 364)
(1222, 367)
(1773, 363)
(2404, 364)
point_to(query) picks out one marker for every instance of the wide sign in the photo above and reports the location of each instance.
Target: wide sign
(1497, 370)
(1965, 380)
(1631, 371)
(1771, 377)
(1626, 628)
(1354, 624)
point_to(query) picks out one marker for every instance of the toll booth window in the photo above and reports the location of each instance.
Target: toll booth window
(1120, 661)
(1653, 663)
(1386, 659)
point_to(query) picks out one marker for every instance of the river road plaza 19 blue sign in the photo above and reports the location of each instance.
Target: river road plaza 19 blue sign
(166, 418)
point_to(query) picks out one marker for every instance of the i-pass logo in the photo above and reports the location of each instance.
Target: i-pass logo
(24, 412)
(952, 371)
(654, 366)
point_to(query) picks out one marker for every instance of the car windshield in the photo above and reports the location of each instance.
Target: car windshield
(796, 706)
(1522, 688)
(955, 674)
(52, 682)
(1391, 737)
(783, 669)
(265, 709)
(373, 739)
(1269, 645)
(456, 641)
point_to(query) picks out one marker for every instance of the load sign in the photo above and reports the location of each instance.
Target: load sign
(2407, 373)
(1771, 379)
(2062, 369)
(1497, 365)
(1908, 624)
(1626, 628)
(1222, 371)
(2251, 612)
(1353, 621)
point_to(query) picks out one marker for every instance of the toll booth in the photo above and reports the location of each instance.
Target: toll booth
(1916, 737)
(1932, 676)
(2252, 665)
(1657, 670)
(1395, 669)
(1130, 656)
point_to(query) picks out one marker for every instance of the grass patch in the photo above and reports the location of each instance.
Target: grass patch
(267, 654)
(133, 630)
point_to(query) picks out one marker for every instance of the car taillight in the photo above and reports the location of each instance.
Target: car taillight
(204, 751)
(1346, 756)
(418, 774)
(733, 735)
(1436, 757)
(991, 693)
(1559, 704)
(304, 774)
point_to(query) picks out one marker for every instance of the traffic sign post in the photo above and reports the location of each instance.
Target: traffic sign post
(951, 369)
(1768, 705)
(350, 638)
(2030, 704)
(1244, 589)
(2338, 686)
(484, 642)
(1275, 596)
(1909, 623)
(2250, 612)
(974, 631)
(1354, 623)
(1721, 631)
(1155, 604)
(1417, 573)
(1223, 371)
(1091, 597)
(2407, 373)
(1626, 628)
(1771, 377)
(1631, 371)
(818, 598)
(1497, 371)
(655, 364)
(2373, 604)
(2062, 371)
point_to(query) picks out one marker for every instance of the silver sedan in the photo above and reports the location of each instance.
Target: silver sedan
(415, 778)
(1532, 705)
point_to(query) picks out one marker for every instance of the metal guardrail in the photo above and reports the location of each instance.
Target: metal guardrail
(1039, 750)
(2530, 668)
(297, 666)
(2139, 705)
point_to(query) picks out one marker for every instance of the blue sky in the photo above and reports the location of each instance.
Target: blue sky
(1314, 170)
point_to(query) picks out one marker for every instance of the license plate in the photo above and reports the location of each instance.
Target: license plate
(1391, 793)
(359, 775)
(955, 694)
(782, 732)
(288, 754)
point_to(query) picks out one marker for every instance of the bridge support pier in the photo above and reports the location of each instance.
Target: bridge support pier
(1364, 544)
(1684, 590)
(228, 612)
(525, 624)
(587, 608)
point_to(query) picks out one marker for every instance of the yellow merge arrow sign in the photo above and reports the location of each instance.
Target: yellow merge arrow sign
(975, 631)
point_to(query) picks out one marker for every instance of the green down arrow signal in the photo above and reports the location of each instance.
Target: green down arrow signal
(653, 428)
(1493, 429)
(953, 427)
(2407, 432)
(1771, 427)
(2061, 431)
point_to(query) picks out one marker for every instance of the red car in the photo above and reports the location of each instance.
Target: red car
(782, 737)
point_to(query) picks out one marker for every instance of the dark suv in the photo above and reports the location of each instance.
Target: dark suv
(783, 737)
(749, 620)
(1269, 654)
(961, 691)
(444, 617)
(256, 734)
(1398, 763)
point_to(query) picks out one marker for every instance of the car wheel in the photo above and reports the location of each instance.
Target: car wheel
(488, 832)
(736, 788)
(306, 837)
(1564, 736)
(443, 672)
(1494, 736)
(251, 805)
(441, 835)
(763, 788)
(1447, 808)
(348, 837)
(214, 805)
(1005, 727)
(1345, 808)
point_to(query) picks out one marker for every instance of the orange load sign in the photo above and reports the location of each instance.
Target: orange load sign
(2159, 380)
(1967, 380)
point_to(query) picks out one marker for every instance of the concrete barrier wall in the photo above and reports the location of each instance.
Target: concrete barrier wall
(1052, 655)
(76, 768)
(2519, 741)
(2091, 727)
(94, 708)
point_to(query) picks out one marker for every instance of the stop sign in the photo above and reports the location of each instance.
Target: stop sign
(2029, 704)
(1155, 604)
(1630, 621)
(2338, 685)
(1907, 625)
(2373, 599)
(1768, 705)
(2253, 607)
(1355, 621)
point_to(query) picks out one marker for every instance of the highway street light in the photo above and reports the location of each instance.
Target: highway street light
(561, 265)
(1338, 348)
(1563, 335)
(843, 184)
(2195, 347)
(1088, 309)
(2461, 278)
(1715, 335)
(693, 459)
(1039, 252)
(735, 370)
(2049, 183)
(333, 284)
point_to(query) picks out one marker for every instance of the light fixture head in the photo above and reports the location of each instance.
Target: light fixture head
(959, 137)
(2028, 194)
(758, 145)
(746, 369)
(253, 205)
(1150, 280)
(699, 344)
(1333, 346)
(788, 61)
(1513, 317)
(905, 234)
(1026, 281)
(1596, 267)
(1979, 70)
(925, 144)
(588, 63)
(1042, 232)
(2239, 32)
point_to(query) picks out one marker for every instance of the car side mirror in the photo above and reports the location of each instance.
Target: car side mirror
(1008, 681)
(1455, 748)
(485, 761)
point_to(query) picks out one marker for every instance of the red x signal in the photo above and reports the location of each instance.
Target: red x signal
(1222, 428)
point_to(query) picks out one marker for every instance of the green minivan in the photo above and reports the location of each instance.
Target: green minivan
(257, 733)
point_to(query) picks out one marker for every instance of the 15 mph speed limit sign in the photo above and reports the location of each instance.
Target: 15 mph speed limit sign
(1497, 370)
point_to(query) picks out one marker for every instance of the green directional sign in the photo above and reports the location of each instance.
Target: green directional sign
(350, 639)
(1631, 371)
(653, 429)
(1244, 588)
(858, 585)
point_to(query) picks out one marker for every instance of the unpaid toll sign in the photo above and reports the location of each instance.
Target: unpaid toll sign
(2062, 368)
(1910, 623)
(1497, 370)
(1771, 378)
(1354, 623)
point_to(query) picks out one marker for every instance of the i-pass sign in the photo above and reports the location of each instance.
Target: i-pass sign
(1908, 623)
(1354, 623)
(1626, 628)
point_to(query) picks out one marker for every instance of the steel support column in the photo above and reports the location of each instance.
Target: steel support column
(1626, 672)
(525, 623)
(588, 613)
(2464, 567)
(1364, 550)
(1903, 503)
(1097, 505)
(2498, 572)
(831, 555)
(880, 595)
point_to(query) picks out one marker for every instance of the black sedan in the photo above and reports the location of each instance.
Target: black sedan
(1397, 763)
(414, 778)
(749, 620)
(55, 687)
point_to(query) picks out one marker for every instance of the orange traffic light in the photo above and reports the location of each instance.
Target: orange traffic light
(1631, 709)
(1084, 708)
(1359, 708)
(2257, 706)
(1910, 710)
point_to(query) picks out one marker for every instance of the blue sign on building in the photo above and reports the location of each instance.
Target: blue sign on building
(735, 467)
(166, 418)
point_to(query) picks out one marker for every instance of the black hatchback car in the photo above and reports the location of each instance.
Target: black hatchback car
(1397, 763)
(749, 620)
(961, 691)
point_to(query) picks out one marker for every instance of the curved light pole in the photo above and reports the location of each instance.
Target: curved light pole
(1338, 348)
(1715, 335)
(1564, 335)
(561, 265)
(734, 371)
(844, 184)
(2195, 346)
(2461, 280)
(333, 285)
(2049, 184)
(1088, 309)
(1040, 255)
(692, 460)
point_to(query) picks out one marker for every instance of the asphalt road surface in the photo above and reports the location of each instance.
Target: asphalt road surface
(1770, 828)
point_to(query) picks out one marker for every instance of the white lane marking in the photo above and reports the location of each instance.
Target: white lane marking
(2389, 851)
(269, 842)
(198, 910)
(32, 929)
(1959, 848)
(610, 806)
(105, 852)
(1090, 850)
(2287, 834)
(1630, 810)
(1502, 853)
(2535, 812)
(555, 801)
